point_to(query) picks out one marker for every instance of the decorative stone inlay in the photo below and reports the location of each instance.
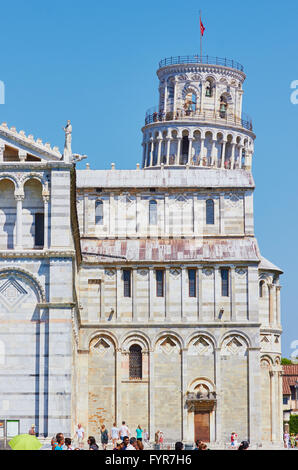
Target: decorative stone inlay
(233, 346)
(168, 345)
(11, 293)
(265, 339)
(181, 199)
(241, 272)
(174, 272)
(201, 346)
(207, 272)
(142, 272)
(232, 199)
(101, 346)
(110, 272)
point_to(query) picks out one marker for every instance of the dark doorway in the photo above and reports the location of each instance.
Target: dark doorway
(202, 425)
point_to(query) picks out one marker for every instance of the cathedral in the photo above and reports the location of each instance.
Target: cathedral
(141, 295)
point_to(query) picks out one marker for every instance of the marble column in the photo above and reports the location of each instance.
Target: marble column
(201, 156)
(178, 151)
(168, 149)
(159, 140)
(46, 198)
(271, 304)
(165, 99)
(152, 429)
(233, 156)
(190, 139)
(212, 152)
(254, 396)
(19, 222)
(278, 320)
(223, 151)
(151, 151)
(184, 410)
(217, 382)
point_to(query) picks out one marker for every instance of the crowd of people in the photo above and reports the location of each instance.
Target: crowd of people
(290, 440)
(122, 439)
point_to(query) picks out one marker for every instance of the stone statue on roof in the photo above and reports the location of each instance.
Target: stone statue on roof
(67, 154)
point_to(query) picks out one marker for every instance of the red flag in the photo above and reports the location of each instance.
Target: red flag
(202, 28)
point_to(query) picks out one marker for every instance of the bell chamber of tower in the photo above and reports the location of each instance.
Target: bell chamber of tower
(199, 121)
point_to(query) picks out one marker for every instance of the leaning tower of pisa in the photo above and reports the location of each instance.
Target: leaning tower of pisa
(179, 310)
(199, 120)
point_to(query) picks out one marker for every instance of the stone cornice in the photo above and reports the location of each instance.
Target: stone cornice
(199, 68)
(56, 305)
(13, 166)
(172, 325)
(7, 254)
(209, 124)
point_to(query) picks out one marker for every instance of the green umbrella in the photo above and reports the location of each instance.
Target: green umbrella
(25, 442)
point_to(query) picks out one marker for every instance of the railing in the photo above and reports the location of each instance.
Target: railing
(196, 59)
(154, 115)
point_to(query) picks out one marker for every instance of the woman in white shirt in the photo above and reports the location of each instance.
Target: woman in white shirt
(114, 434)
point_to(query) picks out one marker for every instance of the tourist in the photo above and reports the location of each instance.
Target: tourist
(234, 438)
(198, 442)
(286, 440)
(139, 432)
(139, 445)
(125, 442)
(55, 440)
(32, 430)
(146, 437)
(104, 437)
(156, 439)
(80, 433)
(118, 445)
(292, 440)
(92, 443)
(179, 446)
(161, 438)
(68, 444)
(114, 434)
(60, 443)
(132, 444)
(202, 446)
(124, 431)
(244, 445)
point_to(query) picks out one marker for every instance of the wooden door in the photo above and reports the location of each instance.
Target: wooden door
(202, 425)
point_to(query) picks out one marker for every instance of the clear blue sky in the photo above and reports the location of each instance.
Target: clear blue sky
(94, 62)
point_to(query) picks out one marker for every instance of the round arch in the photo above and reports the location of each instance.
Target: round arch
(27, 276)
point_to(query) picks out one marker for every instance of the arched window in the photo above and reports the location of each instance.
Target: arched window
(185, 148)
(209, 88)
(99, 213)
(209, 212)
(135, 362)
(223, 106)
(152, 212)
(39, 229)
(225, 281)
(261, 287)
(190, 104)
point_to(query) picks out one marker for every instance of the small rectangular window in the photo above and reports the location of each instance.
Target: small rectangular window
(126, 282)
(39, 230)
(192, 283)
(224, 282)
(99, 213)
(159, 283)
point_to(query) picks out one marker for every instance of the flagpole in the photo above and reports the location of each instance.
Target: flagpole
(200, 35)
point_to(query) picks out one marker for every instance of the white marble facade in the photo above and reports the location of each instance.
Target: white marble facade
(141, 295)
